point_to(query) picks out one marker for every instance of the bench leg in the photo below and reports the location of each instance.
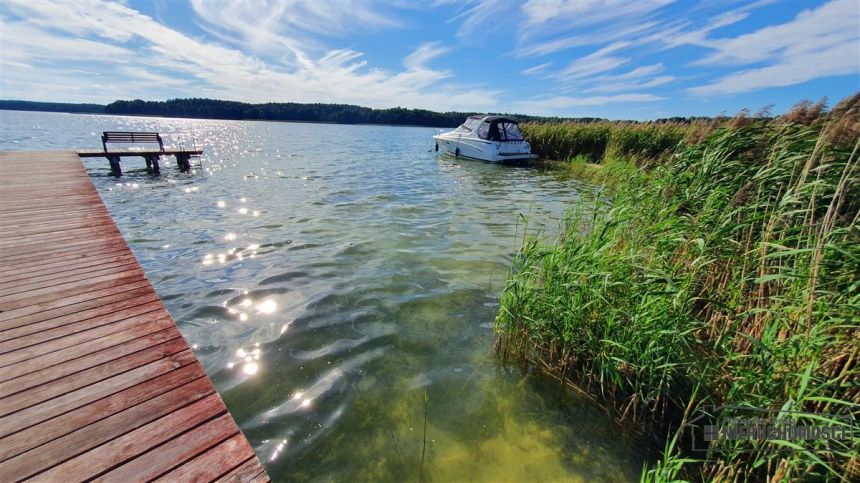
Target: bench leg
(115, 168)
(152, 164)
(182, 160)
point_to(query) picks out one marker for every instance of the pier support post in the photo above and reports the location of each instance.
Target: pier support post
(152, 166)
(183, 161)
(115, 168)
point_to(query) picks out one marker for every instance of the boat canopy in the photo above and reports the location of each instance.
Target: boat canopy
(493, 128)
(497, 128)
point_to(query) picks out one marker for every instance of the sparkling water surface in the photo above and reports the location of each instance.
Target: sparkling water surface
(339, 284)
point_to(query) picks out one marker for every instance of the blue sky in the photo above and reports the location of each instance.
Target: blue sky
(615, 59)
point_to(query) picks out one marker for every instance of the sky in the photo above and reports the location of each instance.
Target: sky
(642, 59)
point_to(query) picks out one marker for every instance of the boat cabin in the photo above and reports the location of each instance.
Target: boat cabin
(492, 128)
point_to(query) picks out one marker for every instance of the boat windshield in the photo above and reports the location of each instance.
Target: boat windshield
(469, 125)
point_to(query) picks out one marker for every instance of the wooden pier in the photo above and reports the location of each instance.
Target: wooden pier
(96, 382)
(151, 156)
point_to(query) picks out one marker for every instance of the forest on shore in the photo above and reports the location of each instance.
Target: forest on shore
(283, 111)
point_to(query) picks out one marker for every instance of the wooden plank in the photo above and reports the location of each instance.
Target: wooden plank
(250, 470)
(58, 239)
(50, 212)
(88, 324)
(73, 444)
(102, 245)
(27, 285)
(48, 400)
(96, 381)
(69, 218)
(56, 231)
(60, 270)
(12, 267)
(42, 249)
(16, 301)
(141, 439)
(175, 452)
(80, 340)
(41, 433)
(19, 205)
(72, 352)
(57, 371)
(36, 312)
(43, 198)
(211, 464)
(55, 192)
(122, 303)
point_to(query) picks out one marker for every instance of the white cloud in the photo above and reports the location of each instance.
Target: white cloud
(698, 37)
(632, 85)
(428, 51)
(565, 14)
(476, 15)
(834, 23)
(26, 42)
(837, 60)
(286, 24)
(536, 69)
(633, 80)
(817, 43)
(600, 35)
(594, 63)
(637, 73)
(557, 103)
(166, 62)
(537, 23)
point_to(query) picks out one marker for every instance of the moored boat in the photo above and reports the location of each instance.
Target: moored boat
(495, 139)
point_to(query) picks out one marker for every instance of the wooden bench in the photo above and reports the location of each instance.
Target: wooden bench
(131, 138)
(124, 137)
(150, 154)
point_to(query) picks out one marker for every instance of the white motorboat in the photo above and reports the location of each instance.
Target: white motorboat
(496, 139)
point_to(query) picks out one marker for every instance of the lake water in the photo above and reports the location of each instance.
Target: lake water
(330, 276)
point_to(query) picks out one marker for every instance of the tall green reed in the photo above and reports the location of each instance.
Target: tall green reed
(599, 140)
(734, 267)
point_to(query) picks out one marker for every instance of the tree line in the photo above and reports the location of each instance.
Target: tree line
(292, 111)
(51, 107)
(279, 111)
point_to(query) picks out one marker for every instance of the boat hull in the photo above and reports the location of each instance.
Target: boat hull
(483, 150)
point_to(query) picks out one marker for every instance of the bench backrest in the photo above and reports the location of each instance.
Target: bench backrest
(131, 137)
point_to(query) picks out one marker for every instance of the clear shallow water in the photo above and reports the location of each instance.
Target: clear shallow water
(330, 276)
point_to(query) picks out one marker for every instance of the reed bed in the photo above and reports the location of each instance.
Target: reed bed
(726, 274)
(596, 141)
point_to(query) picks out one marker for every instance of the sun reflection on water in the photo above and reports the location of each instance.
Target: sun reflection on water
(267, 306)
(248, 361)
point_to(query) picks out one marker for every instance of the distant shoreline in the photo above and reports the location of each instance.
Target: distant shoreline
(316, 113)
(211, 119)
